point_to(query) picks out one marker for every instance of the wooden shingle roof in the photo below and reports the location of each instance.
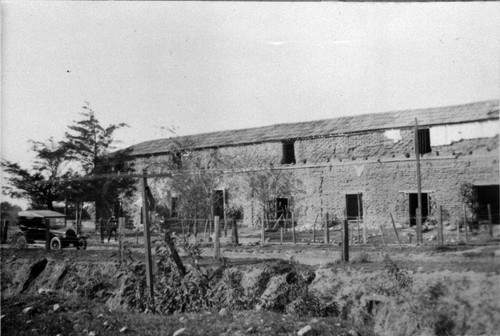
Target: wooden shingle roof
(473, 112)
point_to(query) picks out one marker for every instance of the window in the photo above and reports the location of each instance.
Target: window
(174, 211)
(424, 141)
(288, 153)
(177, 159)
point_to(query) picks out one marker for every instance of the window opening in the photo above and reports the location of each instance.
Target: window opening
(288, 153)
(424, 141)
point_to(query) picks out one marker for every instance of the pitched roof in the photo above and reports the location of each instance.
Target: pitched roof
(479, 111)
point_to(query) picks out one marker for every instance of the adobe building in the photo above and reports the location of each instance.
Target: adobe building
(363, 166)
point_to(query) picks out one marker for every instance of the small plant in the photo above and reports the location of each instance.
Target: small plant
(468, 193)
(234, 212)
(96, 287)
(403, 280)
(361, 258)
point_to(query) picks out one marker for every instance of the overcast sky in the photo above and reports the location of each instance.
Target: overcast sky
(209, 66)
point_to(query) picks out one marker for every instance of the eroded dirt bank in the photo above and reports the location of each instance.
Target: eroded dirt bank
(395, 300)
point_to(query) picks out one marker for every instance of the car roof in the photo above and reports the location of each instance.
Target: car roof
(40, 214)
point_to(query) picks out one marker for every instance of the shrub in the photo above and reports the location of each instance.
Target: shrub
(425, 306)
(361, 258)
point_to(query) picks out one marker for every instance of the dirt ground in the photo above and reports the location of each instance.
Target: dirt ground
(466, 278)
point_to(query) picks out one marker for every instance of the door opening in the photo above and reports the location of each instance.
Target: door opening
(488, 194)
(413, 205)
(281, 208)
(354, 206)
(219, 204)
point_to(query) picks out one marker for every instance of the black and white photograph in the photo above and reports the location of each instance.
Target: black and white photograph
(234, 168)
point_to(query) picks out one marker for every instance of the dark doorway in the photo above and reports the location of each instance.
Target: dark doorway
(414, 205)
(488, 194)
(281, 207)
(219, 203)
(354, 206)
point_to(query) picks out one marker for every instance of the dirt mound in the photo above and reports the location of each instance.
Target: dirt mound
(395, 301)
(445, 302)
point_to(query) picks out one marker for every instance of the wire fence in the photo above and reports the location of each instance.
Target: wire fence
(438, 228)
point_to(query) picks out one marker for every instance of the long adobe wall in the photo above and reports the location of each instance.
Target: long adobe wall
(380, 165)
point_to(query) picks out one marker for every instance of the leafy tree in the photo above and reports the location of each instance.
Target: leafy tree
(9, 212)
(195, 188)
(265, 185)
(194, 179)
(89, 143)
(39, 185)
(468, 192)
(51, 157)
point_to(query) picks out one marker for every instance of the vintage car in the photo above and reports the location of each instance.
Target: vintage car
(33, 229)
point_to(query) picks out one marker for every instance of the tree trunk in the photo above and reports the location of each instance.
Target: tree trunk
(50, 206)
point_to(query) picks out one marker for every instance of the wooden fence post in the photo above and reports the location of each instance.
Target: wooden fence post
(327, 229)
(395, 230)
(365, 238)
(281, 236)
(101, 230)
(195, 229)
(216, 237)
(345, 241)
(235, 232)
(262, 233)
(147, 239)
(490, 221)
(205, 231)
(465, 224)
(357, 227)
(314, 228)
(440, 226)
(121, 232)
(381, 232)
(418, 227)
(224, 217)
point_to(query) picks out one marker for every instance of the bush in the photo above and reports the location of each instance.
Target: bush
(361, 258)
(425, 307)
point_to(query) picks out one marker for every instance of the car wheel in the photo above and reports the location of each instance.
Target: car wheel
(21, 242)
(55, 243)
(82, 243)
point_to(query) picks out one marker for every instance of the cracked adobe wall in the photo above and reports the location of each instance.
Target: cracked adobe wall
(380, 165)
